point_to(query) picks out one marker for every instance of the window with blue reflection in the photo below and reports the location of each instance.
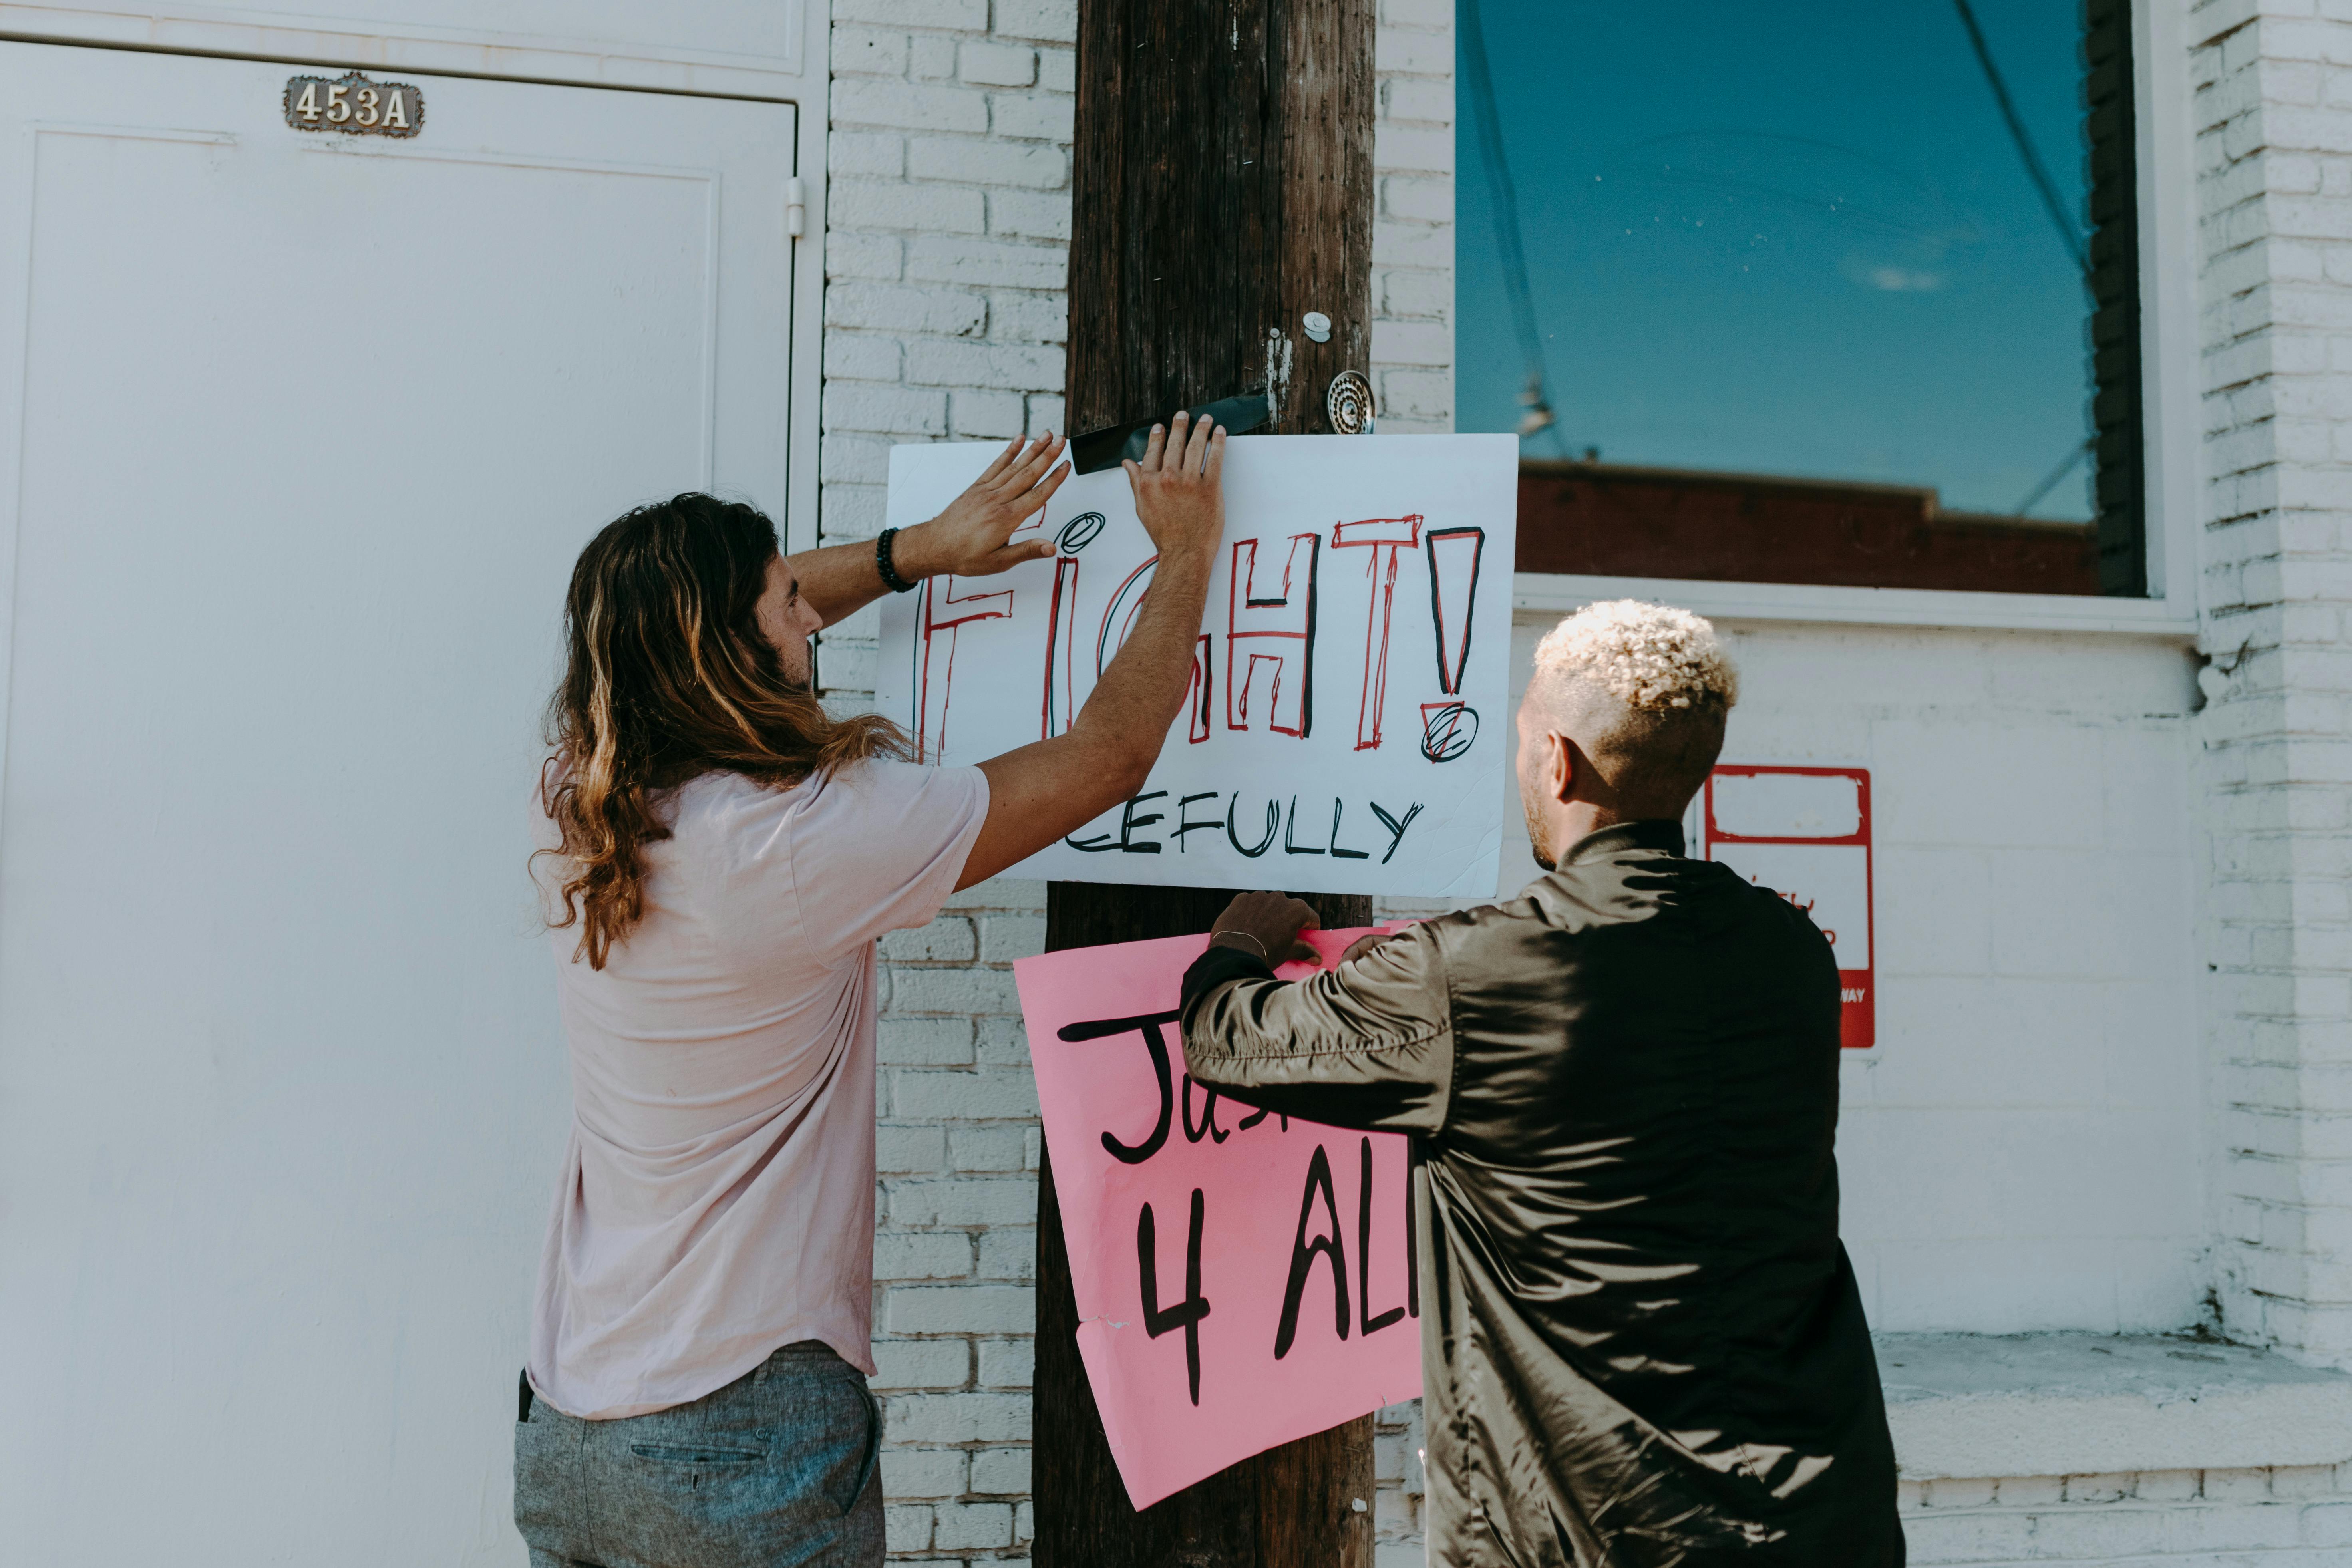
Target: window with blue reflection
(1837, 293)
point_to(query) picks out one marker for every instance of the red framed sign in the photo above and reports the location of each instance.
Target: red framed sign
(1805, 834)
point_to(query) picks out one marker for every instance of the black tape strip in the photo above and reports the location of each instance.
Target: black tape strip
(1114, 444)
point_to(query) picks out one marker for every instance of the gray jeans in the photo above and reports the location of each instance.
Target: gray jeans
(774, 1470)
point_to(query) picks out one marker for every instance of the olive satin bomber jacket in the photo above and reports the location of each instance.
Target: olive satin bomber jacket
(1642, 1342)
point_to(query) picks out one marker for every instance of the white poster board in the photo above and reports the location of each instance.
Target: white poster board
(1345, 731)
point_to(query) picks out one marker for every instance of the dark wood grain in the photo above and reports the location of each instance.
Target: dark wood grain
(1223, 188)
(1315, 1499)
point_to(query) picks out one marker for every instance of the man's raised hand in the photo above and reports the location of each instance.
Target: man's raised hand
(972, 537)
(1177, 492)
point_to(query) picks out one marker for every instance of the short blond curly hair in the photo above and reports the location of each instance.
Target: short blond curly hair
(1651, 657)
(1643, 690)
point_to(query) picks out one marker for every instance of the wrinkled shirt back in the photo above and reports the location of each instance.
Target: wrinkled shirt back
(717, 1200)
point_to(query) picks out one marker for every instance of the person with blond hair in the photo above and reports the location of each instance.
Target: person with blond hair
(1642, 1345)
(718, 855)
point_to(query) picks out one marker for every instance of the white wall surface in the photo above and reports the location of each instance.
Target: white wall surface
(2020, 1150)
(2274, 187)
(2284, 1516)
(714, 45)
(299, 440)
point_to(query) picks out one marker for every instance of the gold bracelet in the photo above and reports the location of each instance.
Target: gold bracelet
(1247, 938)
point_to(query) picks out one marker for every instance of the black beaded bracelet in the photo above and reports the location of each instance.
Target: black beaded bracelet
(890, 578)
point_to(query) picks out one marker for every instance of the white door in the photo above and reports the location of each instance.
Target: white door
(298, 436)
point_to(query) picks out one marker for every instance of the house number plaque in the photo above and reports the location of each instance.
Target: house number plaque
(354, 105)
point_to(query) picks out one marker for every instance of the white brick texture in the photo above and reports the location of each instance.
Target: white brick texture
(955, 1252)
(945, 246)
(1413, 225)
(2274, 128)
(2299, 1518)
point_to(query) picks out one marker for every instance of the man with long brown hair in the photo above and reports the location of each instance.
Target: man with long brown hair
(719, 855)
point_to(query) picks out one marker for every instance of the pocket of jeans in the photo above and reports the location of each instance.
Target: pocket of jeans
(871, 1453)
(696, 1454)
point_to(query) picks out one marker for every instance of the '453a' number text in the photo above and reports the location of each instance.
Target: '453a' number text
(354, 106)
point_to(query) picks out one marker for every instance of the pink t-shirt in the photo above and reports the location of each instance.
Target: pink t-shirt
(717, 1196)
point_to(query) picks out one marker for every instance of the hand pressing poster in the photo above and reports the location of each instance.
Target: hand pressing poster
(1241, 1279)
(1346, 727)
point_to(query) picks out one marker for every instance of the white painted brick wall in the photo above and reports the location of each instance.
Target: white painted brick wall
(1397, 1444)
(2274, 128)
(2292, 1518)
(955, 1249)
(946, 247)
(1412, 228)
(948, 227)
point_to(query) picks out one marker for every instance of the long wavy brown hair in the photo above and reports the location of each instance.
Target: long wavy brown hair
(667, 677)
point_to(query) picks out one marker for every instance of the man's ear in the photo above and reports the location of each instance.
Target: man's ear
(1562, 766)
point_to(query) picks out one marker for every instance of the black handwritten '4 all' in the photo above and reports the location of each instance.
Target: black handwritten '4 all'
(1188, 1310)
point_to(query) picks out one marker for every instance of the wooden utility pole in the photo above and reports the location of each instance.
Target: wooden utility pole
(1224, 191)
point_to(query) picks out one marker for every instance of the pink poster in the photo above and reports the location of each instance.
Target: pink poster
(1242, 1279)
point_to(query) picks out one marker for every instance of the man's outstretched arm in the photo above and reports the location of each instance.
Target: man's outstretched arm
(1368, 1044)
